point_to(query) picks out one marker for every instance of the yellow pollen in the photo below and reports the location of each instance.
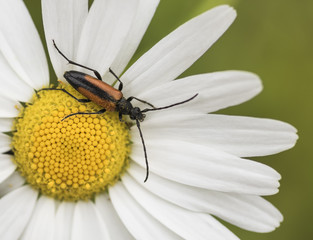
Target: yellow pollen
(72, 159)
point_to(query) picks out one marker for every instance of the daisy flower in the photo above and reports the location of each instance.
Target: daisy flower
(82, 178)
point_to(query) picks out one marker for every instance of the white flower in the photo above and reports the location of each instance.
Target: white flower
(198, 165)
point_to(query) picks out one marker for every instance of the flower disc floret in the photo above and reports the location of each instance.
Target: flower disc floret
(72, 159)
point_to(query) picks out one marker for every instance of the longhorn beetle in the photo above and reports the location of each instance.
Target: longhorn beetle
(111, 99)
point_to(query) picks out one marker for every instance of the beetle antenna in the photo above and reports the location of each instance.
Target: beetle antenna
(144, 150)
(169, 106)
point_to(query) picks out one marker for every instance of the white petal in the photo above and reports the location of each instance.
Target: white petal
(6, 124)
(12, 86)
(11, 183)
(203, 167)
(87, 223)
(64, 220)
(42, 223)
(7, 167)
(139, 223)
(241, 136)
(179, 50)
(20, 44)
(15, 211)
(104, 32)
(144, 14)
(187, 224)
(63, 21)
(215, 91)
(5, 142)
(114, 224)
(8, 108)
(252, 213)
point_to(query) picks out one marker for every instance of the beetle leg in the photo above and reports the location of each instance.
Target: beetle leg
(120, 116)
(77, 64)
(84, 113)
(143, 101)
(63, 90)
(120, 87)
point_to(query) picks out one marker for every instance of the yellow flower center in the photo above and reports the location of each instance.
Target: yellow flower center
(72, 159)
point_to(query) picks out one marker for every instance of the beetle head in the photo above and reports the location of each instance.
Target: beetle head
(136, 114)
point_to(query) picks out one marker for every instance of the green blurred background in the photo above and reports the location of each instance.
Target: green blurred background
(272, 39)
